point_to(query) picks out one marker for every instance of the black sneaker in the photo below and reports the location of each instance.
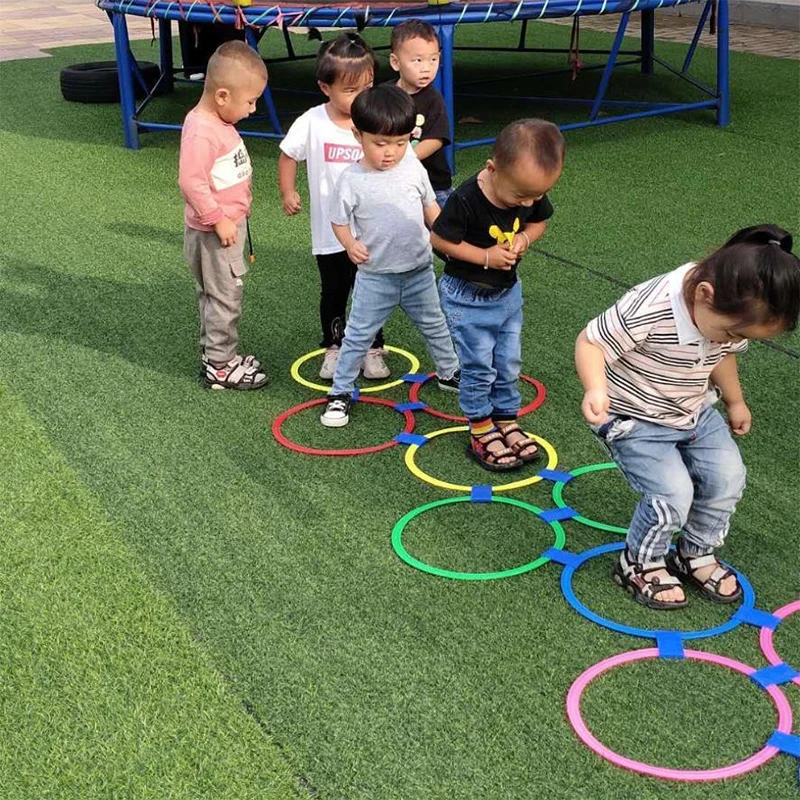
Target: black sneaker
(337, 412)
(451, 384)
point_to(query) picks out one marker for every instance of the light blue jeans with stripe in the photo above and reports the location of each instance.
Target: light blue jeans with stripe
(689, 481)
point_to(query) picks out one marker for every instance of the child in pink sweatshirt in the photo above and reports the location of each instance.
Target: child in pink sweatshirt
(215, 178)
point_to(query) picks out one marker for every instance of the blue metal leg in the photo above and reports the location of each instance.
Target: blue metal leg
(648, 40)
(446, 87)
(165, 49)
(612, 58)
(723, 65)
(696, 38)
(252, 40)
(125, 70)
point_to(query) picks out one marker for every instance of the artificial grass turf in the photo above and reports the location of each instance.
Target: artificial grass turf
(379, 681)
(105, 692)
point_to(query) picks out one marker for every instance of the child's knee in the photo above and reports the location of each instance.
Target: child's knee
(673, 503)
(726, 483)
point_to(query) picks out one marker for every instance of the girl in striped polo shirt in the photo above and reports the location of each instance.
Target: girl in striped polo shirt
(647, 365)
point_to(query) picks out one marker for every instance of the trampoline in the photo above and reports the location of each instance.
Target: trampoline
(256, 19)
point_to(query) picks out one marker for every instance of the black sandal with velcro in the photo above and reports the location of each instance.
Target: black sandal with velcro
(645, 590)
(680, 565)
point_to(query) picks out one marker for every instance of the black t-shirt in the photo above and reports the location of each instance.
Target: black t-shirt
(431, 123)
(469, 217)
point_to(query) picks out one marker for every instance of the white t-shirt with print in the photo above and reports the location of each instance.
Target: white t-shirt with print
(327, 150)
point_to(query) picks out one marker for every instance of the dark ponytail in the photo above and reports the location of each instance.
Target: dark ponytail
(347, 56)
(755, 276)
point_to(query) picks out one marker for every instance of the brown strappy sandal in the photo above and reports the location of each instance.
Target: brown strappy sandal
(521, 445)
(478, 450)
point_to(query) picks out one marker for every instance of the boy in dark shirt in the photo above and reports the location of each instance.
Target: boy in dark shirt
(415, 57)
(483, 231)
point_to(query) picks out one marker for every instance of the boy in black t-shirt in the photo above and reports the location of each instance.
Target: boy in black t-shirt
(415, 56)
(482, 233)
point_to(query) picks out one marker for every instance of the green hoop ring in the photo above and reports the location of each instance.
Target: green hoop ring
(397, 542)
(558, 497)
(294, 371)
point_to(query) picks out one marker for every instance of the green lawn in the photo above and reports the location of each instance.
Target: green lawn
(189, 610)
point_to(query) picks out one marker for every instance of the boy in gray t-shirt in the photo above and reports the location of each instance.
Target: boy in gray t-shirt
(388, 199)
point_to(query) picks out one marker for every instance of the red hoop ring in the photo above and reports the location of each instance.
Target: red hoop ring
(358, 451)
(541, 395)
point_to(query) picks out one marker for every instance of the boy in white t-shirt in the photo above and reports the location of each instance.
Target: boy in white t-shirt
(323, 138)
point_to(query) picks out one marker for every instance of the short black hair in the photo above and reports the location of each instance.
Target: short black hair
(755, 276)
(385, 109)
(412, 29)
(347, 56)
(537, 138)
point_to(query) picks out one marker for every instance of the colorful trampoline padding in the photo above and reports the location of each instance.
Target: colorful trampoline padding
(399, 548)
(321, 387)
(769, 751)
(417, 384)
(277, 431)
(410, 459)
(766, 636)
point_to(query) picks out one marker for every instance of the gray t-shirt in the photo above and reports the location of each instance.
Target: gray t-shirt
(385, 211)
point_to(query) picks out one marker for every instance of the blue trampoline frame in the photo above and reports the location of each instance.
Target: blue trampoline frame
(257, 19)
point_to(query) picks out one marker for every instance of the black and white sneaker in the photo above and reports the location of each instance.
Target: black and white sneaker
(451, 384)
(337, 412)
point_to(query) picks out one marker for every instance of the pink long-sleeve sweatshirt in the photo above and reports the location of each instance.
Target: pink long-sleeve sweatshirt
(215, 171)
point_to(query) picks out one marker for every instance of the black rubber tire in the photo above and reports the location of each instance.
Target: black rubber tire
(98, 81)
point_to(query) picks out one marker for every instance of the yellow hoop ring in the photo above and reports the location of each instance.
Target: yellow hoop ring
(413, 366)
(552, 463)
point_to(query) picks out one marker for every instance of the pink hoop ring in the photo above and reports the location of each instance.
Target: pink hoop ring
(357, 451)
(541, 394)
(665, 773)
(765, 637)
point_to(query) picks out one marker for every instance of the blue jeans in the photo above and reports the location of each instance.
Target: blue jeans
(442, 195)
(375, 296)
(486, 325)
(689, 481)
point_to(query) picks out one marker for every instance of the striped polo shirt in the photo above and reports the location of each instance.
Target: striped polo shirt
(657, 362)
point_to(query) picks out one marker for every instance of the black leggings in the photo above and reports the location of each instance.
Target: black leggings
(337, 274)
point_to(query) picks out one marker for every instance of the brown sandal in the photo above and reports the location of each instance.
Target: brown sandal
(521, 444)
(478, 450)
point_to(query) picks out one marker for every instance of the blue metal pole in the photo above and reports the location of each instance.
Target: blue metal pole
(252, 40)
(165, 49)
(723, 65)
(127, 98)
(696, 38)
(612, 58)
(446, 70)
(648, 40)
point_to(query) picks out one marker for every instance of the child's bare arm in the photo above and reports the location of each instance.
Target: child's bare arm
(496, 257)
(427, 147)
(431, 214)
(356, 251)
(726, 376)
(532, 232)
(590, 363)
(287, 183)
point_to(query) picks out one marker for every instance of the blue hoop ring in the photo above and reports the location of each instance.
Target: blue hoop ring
(748, 602)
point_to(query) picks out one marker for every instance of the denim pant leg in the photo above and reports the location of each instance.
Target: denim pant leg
(420, 300)
(443, 195)
(649, 458)
(505, 394)
(716, 468)
(375, 296)
(473, 326)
